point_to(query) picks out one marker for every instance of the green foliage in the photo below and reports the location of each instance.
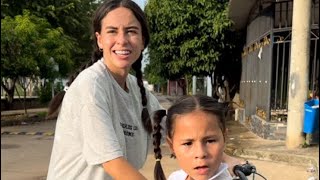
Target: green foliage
(28, 47)
(58, 87)
(187, 37)
(73, 16)
(42, 114)
(45, 93)
(27, 44)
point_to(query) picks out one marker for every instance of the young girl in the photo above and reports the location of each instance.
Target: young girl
(196, 136)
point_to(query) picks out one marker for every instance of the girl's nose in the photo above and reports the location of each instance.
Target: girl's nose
(200, 151)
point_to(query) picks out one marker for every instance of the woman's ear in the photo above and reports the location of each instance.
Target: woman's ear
(98, 40)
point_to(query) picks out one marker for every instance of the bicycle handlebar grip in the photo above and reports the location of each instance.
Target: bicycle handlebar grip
(240, 174)
(246, 169)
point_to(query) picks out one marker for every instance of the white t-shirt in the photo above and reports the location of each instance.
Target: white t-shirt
(222, 174)
(99, 122)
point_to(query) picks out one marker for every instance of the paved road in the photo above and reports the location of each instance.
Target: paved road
(25, 157)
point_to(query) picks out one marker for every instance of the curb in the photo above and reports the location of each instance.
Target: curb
(16, 122)
(292, 159)
(27, 133)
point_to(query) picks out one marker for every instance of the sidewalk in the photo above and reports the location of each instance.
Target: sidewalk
(17, 117)
(245, 144)
(17, 112)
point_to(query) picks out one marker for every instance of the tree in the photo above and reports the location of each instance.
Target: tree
(188, 37)
(73, 16)
(27, 44)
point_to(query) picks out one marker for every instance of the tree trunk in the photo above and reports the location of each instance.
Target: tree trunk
(24, 101)
(9, 89)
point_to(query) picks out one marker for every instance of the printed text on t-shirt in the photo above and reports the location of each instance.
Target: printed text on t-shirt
(128, 129)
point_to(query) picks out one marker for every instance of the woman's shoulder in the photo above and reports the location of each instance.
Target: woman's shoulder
(95, 69)
(90, 81)
(94, 74)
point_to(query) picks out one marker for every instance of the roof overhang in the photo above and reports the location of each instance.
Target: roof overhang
(239, 12)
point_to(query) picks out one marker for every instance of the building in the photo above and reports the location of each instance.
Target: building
(266, 62)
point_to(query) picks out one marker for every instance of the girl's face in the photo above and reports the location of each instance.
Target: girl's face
(121, 39)
(198, 144)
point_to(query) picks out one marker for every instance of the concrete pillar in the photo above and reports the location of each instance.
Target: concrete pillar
(194, 84)
(209, 86)
(299, 66)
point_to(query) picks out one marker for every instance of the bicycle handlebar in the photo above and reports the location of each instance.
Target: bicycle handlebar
(240, 174)
(244, 170)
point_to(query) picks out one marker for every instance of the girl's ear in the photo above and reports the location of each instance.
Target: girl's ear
(169, 142)
(225, 134)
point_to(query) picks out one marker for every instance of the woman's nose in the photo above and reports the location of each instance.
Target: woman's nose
(122, 38)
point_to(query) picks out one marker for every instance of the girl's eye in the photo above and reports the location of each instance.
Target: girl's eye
(187, 144)
(211, 140)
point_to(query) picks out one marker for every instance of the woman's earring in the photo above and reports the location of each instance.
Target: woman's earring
(100, 49)
(173, 155)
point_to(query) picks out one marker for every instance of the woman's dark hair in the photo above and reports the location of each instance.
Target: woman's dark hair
(100, 13)
(184, 105)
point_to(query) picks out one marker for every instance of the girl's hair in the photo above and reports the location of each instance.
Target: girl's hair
(184, 105)
(100, 13)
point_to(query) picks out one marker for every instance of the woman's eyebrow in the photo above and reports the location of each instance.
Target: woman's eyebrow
(133, 27)
(110, 27)
(129, 27)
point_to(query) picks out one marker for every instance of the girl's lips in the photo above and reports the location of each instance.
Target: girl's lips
(202, 170)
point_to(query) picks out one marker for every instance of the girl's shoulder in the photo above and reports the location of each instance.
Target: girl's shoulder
(178, 175)
(222, 173)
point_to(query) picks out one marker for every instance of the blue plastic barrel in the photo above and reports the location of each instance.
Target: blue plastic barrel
(311, 116)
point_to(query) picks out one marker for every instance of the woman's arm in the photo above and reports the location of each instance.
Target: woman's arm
(120, 168)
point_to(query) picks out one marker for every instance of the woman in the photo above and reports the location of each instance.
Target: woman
(103, 127)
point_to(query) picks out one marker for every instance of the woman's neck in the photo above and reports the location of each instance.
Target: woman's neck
(120, 77)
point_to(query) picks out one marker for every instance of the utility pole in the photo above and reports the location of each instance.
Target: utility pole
(299, 68)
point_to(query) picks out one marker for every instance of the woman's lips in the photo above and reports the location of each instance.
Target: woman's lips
(122, 54)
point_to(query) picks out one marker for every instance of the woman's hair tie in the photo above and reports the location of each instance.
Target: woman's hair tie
(66, 88)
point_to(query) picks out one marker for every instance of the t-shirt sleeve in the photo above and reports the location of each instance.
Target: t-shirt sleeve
(100, 140)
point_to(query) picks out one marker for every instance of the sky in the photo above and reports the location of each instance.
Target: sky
(141, 3)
